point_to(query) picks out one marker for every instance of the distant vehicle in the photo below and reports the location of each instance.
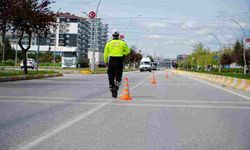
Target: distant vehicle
(145, 65)
(69, 60)
(31, 63)
(154, 66)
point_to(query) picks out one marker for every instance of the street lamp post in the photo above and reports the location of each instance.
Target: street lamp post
(220, 49)
(93, 45)
(143, 44)
(97, 7)
(56, 40)
(92, 61)
(125, 31)
(244, 49)
(141, 37)
(95, 36)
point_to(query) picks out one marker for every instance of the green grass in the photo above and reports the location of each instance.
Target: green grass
(50, 64)
(19, 72)
(235, 75)
(32, 72)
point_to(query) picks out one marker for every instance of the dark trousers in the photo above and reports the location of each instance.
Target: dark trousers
(115, 70)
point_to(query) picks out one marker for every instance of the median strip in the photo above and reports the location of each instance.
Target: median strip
(17, 75)
(236, 83)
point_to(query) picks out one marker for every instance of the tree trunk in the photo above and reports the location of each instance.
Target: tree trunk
(25, 50)
(3, 47)
(25, 69)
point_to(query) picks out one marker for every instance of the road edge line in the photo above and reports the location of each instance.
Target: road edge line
(216, 86)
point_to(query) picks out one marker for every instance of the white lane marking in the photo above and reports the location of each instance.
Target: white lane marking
(34, 97)
(95, 102)
(182, 106)
(221, 88)
(51, 102)
(49, 133)
(183, 101)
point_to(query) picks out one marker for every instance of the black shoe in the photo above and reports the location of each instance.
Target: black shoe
(114, 94)
(117, 85)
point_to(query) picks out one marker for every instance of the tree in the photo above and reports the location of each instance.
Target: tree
(30, 18)
(130, 57)
(238, 50)
(9, 51)
(6, 15)
(199, 55)
(151, 58)
(46, 57)
(133, 58)
(138, 58)
(227, 57)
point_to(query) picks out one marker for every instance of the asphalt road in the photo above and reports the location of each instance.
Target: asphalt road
(76, 112)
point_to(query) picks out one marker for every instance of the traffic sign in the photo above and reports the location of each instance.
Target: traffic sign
(92, 14)
(121, 37)
(248, 40)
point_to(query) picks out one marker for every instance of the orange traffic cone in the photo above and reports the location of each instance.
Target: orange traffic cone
(126, 95)
(153, 80)
(166, 75)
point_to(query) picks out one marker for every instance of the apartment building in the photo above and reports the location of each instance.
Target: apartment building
(74, 37)
(98, 39)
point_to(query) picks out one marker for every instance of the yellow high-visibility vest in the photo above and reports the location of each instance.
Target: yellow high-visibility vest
(115, 48)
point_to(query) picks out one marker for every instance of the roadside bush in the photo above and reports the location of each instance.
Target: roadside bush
(8, 63)
(32, 55)
(232, 70)
(50, 64)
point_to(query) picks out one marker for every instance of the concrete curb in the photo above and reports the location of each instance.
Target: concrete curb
(236, 83)
(29, 77)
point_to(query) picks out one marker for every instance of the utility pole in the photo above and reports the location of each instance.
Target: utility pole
(93, 42)
(91, 17)
(94, 22)
(57, 39)
(37, 54)
(3, 48)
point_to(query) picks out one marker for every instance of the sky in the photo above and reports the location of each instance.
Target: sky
(169, 27)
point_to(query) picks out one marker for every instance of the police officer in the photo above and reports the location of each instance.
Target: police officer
(114, 53)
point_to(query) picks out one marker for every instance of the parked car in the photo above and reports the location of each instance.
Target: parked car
(31, 63)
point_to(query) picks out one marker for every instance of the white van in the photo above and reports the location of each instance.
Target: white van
(145, 65)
